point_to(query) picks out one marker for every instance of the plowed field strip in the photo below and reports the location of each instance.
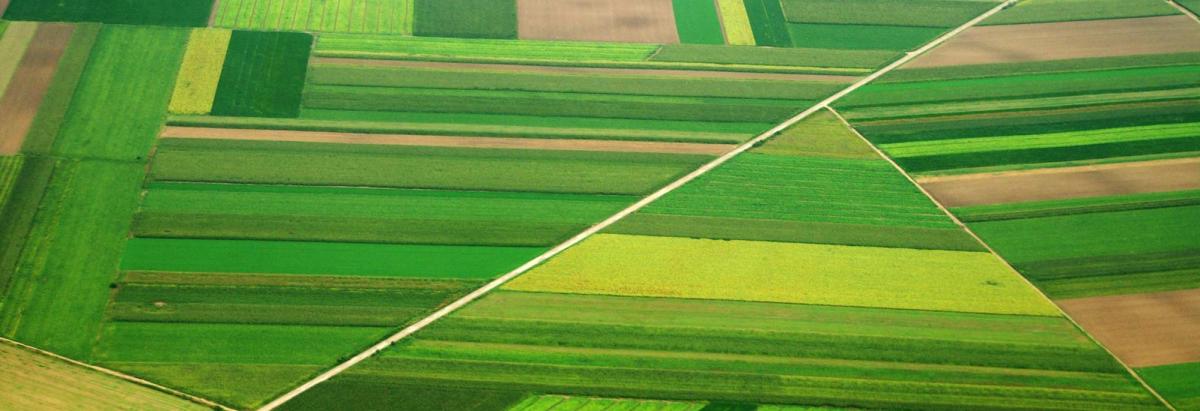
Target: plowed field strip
(1144, 330)
(29, 84)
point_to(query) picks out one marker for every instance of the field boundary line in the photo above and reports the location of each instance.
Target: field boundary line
(1184, 10)
(578, 238)
(117, 374)
(991, 250)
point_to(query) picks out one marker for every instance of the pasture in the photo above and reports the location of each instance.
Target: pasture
(383, 17)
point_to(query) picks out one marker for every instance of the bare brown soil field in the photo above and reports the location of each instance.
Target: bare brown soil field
(1144, 330)
(522, 68)
(1064, 183)
(3, 6)
(446, 141)
(20, 103)
(635, 21)
(1068, 40)
(36, 382)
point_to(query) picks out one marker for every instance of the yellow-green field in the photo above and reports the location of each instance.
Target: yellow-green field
(197, 83)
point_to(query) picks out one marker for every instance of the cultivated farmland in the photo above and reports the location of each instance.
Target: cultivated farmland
(686, 205)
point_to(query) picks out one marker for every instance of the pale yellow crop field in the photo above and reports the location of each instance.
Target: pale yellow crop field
(197, 83)
(736, 23)
(787, 273)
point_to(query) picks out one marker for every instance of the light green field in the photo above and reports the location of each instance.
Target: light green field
(820, 135)
(561, 402)
(1045, 11)
(1052, 140)
(377, 16)
(197, 83)
(790, 273)
(736, 23)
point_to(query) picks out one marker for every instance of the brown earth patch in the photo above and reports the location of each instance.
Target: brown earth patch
(29, 84)
(446, 141)
(522, 68)
(1144, 330)
(1063, 183)
(1067, 40)
(634, 21)
(3, 6)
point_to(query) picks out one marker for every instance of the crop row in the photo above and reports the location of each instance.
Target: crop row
(389, 16)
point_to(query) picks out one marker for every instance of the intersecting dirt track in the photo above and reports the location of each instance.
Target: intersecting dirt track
(637, 21)
(447, 141)
(19, 105)
(1064, 183)
(1062, 41)
(1144, 330)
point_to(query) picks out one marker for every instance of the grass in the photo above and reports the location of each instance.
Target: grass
(119, 120)
(381, 17)
(769, 56)
(25, 196)
(1121, 284)
(549, 402)
(1176, 383)
(345, 214)
(245, 386)
(1039, 67)
(495, 19)
(315, 258)
(37, 382)
(1018, 106)
(649, 85)
(392, 47)
(697, 22)
(58, 292)
(1087, 205)
(1051, 140)
(859, 37)
(401, 397)
(10, 170)
(1136, 150)
(263, 75)
(1046, 11)
(736, 23)
(491, 125)
(145, 12)
(1112, 233)
(819, 274)
(820, 135)
(57, 101)
(768, 23)
(1192, 5)
(418, 167)
(922, 13)
(196, 86)
(760, 186)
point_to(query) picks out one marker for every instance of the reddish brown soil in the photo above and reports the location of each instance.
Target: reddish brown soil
(636, 21)
(1064, 183)
(1068, 40)
(19, 105)
(1144, 330)
(446, 141)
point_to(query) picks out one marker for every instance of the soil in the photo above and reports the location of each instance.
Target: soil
(1064, 183)
(447, 141)
(1144, 330)
(28, 87)
(634, 21)
(1067, 40)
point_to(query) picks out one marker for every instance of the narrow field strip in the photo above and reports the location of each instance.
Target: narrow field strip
(30, 83)
(494, 284)
(1065, 183)
(445, 141)
(530, 68)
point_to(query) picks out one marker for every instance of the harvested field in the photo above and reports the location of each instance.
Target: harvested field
(1144, 330)
(1064, 183)
(36, 382)
(634, 21)
(525, 68)
(1068, 40)
(29, 84)
(447, 141)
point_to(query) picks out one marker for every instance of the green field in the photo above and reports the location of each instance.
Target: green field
(768, 23)
(1045, 11)
(313, 258)
(417, 167)
(549, 402)
(820, 135)
(918, 13)
(150, 12)
(10, 169)
(119, 120)
(859, 36)
(385, 16)
(818, 274)
(263, 75)
(57, 102)
(1177, 383)
(697, 22)
(264, 212)
(496, 19)
(196, 86)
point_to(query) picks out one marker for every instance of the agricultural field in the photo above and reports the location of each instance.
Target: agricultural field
(1076, 163)
(683, 205)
